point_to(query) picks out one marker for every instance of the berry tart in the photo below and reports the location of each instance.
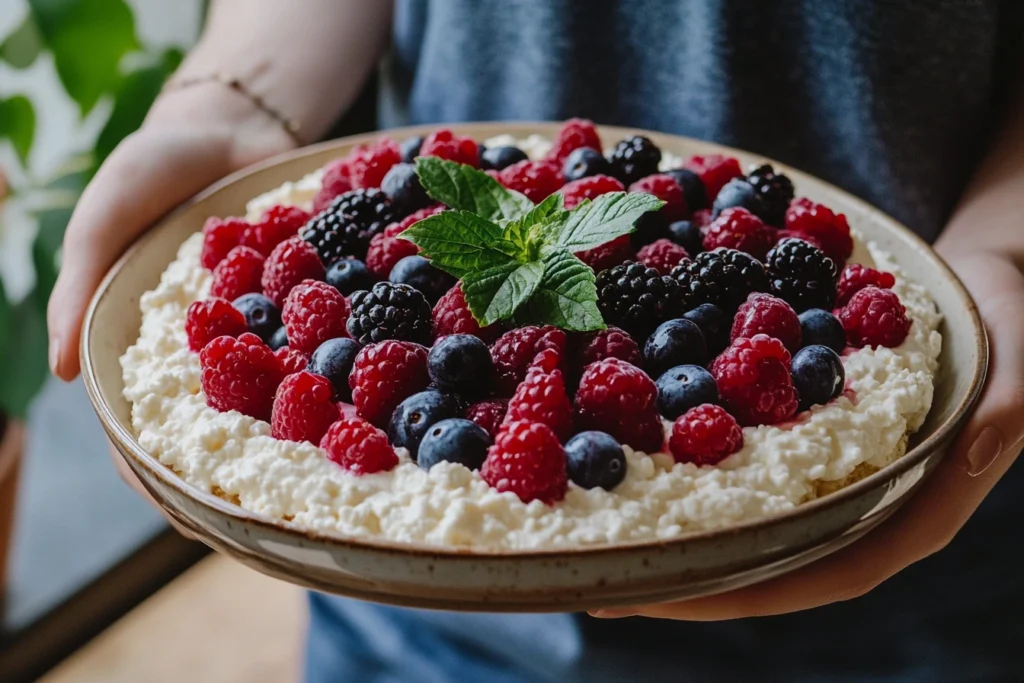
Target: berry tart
(534, 343)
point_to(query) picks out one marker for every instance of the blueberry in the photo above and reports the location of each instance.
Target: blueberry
(693, 188)
(676, 342)
(333, 359)
(349, 275)
(418, 273)
(684, 387)
(416, 414)
(279, 339)
(411, 148)
(818, 326)
(584, 162)
(595, 459)
(714, 324)
(818, 375)
(261, 315)
(687, 234)
(650, 227)
(455, 440)
(497, 158)
(738, 192)
(402, 186)
(461, 363)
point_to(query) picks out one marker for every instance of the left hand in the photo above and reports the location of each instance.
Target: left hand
(981, 455)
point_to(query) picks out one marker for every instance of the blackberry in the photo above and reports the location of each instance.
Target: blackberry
(693, 189)
(389, 311)
(802, 275)
(723, 277)
(634, 158)
(636, 298)
(775, 191)
(345, 227)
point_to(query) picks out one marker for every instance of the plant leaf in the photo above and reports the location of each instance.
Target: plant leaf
(566, 296)
(521, 231)
(464, 188)
(594, 223)
(496, 293)
(18, 124)
(22, 45)
(23, 370)
(459, 242)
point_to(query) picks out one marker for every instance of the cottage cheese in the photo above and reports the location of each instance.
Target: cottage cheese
(779, 467)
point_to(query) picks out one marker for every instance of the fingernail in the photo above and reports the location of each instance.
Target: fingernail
(984, 451)
(611, 613)
(54, 354)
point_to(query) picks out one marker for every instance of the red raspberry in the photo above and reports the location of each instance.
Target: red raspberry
(386, 249)
(368, 164)
(206, 320)
(575, 133)
(547, 360)
(219, 237)
(701, 218)
(715, 170)
(619, 398)
(830, 229)
(608, 255)
(488, 414)
(240, 374)
(705, 435)
(291, 360)
(291, 262)
(590, 187)
(856, 277)
(766, 314)
(314, 312)
(667, 189)
(516, 349)
(610, 342)
(536, 179)
(737, 228)
(445, 144)
(874, 317)
(335, 181)
(527, 460)
(303, 410)
(452, 316)
(754, 382)
(239, 273)
(663, 255)
(278, 224)
(541, 398)
(384, 375)
(359, 447)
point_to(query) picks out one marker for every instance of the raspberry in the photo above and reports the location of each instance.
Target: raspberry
(702, 217)
(239, 273)
(278, 224)
(874, 317)
(347, 225)
(610, 342)
(334, 182)
(663, 255)
(775, 190)
(754, 381)
(588, 188)
(766, 314)
(737, 228)
(619, 398)
(384, 375)
(715, 170)
(291, 360)
(516, 349)
(856, 277)
(390, 311)
(608, 255)
(527, 460)
(368, 164)
(831, 230)
(667, 189)
(541, 398)
(575, 133)
(488, 414)
(723, 277)
(314, 312)
(445, 144)
(451, 315)
(386, 249)
(302, 408)
(240, 374)
(547, 360)
(705, 435)
(291, 262)
(634, 158)
(535, 179)
(359, 447)
(802, 274)
(637, 298)
(219, 237)
(212, 318)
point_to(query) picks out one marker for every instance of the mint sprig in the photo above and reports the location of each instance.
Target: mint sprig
(464, 188)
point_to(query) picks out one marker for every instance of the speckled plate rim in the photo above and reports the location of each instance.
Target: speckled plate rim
(125, 439)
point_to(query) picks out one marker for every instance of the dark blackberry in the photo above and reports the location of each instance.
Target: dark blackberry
(345, 227)
(775, 191)
(389, 311)
(636, 298)
(693, 189)
(633, 159)
(802, 275)
(723, 277)
(738, 193)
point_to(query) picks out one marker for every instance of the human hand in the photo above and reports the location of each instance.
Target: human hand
(981, 455)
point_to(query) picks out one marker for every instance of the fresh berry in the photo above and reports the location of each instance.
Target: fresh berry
(663, 255)
(515, 350)
(738, 193)
(821, 327)
(688, 235)
(240, 374)
(739, 229)
(313, 313)
(714, 324)
(674, 342)
(634, 158)
(334, 360)
(574, 134)
(684, 387)
(535, 179)
(497, 158)
(239, 273)
(701, 218)
(775, 191)
(705, 435)
(262, 317)
(693, 189)
(347, 225)
(790, 234)
(410, 148)
(279, 339)
(609, 254)
(461, 363)
(278, 224)
(368, 164)
(856, 277)
(386, 250)
(291, 262)
(595, 460)
(620, 399)
(714, 171)
(588, 188)
(390, 311)
(454, 440)
(667, 189)
(583, 163)
(451, 315)
(766, 314)
(417, 272)
(416, 414)
(349, 275)
(291, 360)
(828, 228)
(212, 318)
(335, 182)
(541, 398)
(547, 360)
(303, 410)
(611, 342)
(358, 447)
(818, 375)
(488, 414)
(385, 374)
(527, 460)
(637, 298)
(219, 237)
(754, 382)
(874, 317)
(650, 227)
(802, 275)
(447, 145)
(402, 186)
(723, 277)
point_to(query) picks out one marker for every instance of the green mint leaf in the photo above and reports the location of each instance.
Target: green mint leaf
(464, 188)
(520, 231)
(592, 224)
(496, 293)
(566, 296)
(459, 242)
